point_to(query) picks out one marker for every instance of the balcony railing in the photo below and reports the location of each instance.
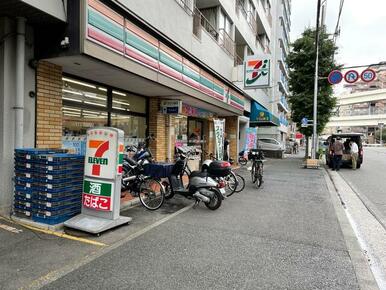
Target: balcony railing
(248, 15)
(238, 60)
(187, 5)
(220, 36)
(226, 41)
(269, 17)
(197, 22)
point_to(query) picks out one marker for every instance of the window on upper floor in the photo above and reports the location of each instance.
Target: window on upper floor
(225, 23)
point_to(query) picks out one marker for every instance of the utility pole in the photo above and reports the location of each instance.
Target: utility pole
(315, 115)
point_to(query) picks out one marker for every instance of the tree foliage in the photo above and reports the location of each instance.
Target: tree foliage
(301, 61)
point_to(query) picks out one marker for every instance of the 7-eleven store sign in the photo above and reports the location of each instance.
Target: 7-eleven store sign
(103, 163)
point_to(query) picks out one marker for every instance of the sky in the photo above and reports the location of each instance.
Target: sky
(362, 39)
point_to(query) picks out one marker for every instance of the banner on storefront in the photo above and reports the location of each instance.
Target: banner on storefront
(219, 127)
(257, 72)
(251, 139)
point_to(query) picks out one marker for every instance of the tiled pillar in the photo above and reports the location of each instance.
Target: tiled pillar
(49, 105)
(231, 128)
(157, 127)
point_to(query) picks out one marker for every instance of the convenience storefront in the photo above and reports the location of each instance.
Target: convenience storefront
(118, 76)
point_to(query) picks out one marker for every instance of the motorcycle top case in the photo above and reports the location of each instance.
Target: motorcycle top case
(219, 168)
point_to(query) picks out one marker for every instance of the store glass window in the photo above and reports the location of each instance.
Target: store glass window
(128, 102)
(84, 106)
(77, 120)
(84, 93)
(133, 126)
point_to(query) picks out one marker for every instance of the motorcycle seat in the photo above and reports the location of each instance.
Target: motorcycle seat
(199, 174)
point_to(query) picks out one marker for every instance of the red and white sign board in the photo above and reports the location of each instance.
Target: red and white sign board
(368, 75)
(351, 76)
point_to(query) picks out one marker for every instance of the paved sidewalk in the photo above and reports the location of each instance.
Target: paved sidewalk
(285, 235)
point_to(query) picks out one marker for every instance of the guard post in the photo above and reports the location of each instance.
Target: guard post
(102, 182)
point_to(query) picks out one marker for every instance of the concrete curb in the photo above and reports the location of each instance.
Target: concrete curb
(361, 266)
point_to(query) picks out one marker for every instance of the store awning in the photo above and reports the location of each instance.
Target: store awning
(260, 116)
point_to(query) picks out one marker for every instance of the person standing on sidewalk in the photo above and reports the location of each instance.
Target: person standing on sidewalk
(337, 148)
(354, 154)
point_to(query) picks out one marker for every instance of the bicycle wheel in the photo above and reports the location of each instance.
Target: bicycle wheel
(253, 172)
(231, 184)
(259, 175)
(151, 194)
(241, 183)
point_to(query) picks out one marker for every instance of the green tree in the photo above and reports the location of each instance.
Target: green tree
(301, 61)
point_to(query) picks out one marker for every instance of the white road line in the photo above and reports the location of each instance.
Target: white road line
(56, 274)
(10, 229)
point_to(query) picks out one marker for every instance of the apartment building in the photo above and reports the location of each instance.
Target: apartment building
(165, 68)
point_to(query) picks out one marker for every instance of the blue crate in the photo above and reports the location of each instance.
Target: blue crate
(24, 186)
(59, 196)
(52, 212)
(24, 189)
(57, 205)
(60, 158)
(25, 174)
(53, 220)
(73, 175)
(22, 213)
(24, 166)
(47, 168)
(23, 196)
(24, 180)
(58, 187)
(158, 170)
(25, 205)
(73, 180)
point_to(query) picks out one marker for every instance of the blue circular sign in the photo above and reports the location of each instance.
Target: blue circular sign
(335, 77)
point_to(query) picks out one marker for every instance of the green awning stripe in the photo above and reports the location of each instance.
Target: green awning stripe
(191, 73)
(99, 21)
(206, 82)
(171, 62)
(237, 100)
(140, 44)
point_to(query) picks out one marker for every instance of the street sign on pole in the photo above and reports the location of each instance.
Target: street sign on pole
(304, 121)
(351, 76)
(335, 77)
(368, 75)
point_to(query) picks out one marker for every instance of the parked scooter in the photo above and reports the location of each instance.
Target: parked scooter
(201, 186)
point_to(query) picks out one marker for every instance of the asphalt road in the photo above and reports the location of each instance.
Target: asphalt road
(284, 235)
(370, 179)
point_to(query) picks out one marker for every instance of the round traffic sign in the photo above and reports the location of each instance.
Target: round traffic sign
(368, 75)
(351, 76)
(335, 77)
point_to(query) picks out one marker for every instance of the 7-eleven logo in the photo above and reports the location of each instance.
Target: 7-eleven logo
(98, 160)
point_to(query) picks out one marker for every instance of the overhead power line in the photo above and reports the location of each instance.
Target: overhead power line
(337, 27)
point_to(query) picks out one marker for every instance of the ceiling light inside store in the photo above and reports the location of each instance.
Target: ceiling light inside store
(119, 108)
(70, 109)
(78, 83)
(95, 104)
(71, 99)
(119, 93)
(72, 92)
(94, 97)
(102, 89)
(122, 103)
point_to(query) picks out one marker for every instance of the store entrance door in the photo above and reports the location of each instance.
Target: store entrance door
(195, 139)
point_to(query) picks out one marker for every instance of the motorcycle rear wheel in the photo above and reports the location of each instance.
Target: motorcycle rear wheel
(151, 194)
(215, 201)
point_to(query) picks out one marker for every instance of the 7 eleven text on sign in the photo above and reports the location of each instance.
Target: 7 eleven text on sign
(101, 154)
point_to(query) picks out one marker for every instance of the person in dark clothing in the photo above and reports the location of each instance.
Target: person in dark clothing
(226, 144)
(337, 148)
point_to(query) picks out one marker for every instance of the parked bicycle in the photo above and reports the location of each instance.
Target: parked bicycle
(257, 170)
(234, 182)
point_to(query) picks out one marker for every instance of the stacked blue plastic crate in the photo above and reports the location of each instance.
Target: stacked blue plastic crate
(48, 185)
